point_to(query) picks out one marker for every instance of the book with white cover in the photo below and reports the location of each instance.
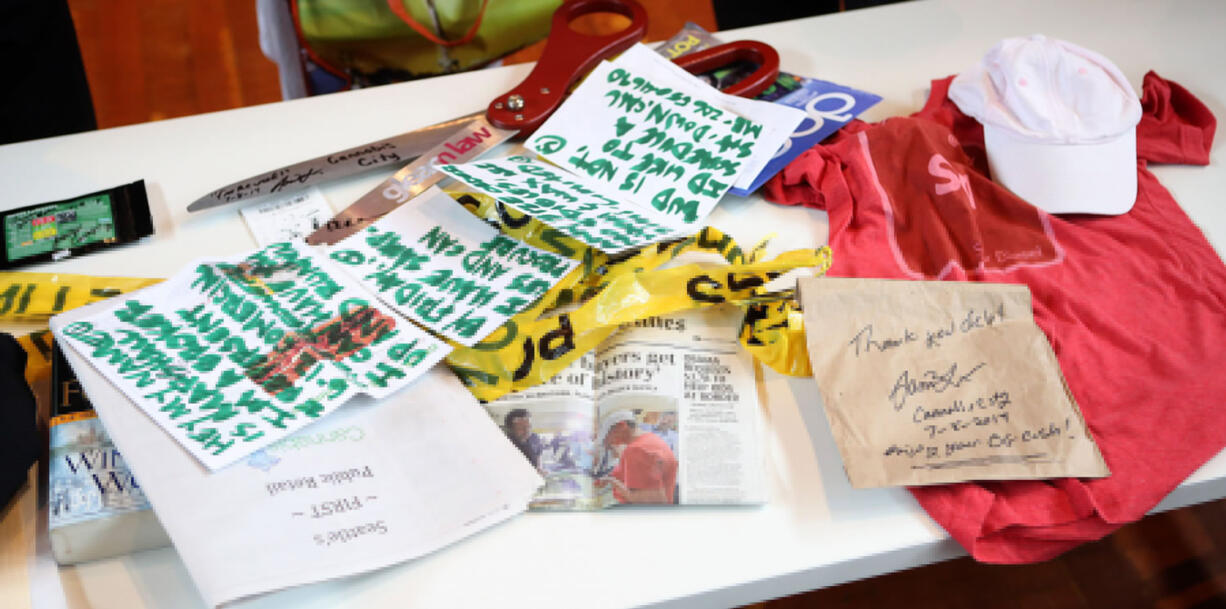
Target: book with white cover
(376, 483)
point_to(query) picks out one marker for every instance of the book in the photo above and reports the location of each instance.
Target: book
(96, 507)
(665, 411)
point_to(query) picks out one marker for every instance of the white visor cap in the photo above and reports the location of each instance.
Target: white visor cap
(613, 418)
(1059, 124)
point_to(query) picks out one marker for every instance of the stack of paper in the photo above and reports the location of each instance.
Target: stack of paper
(373, 484)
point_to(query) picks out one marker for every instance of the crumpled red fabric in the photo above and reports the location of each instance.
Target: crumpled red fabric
(1134, 305)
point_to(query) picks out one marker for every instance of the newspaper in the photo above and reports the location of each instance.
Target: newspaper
(663, 412)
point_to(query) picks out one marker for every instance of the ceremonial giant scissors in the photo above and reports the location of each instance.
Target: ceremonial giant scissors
(568, 56)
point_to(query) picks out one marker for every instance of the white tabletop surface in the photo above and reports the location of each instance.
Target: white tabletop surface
(815, 531)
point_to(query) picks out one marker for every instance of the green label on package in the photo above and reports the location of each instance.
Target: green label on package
(58, 226)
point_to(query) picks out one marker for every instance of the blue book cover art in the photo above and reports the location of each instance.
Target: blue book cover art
(87, 476)
(827, 107)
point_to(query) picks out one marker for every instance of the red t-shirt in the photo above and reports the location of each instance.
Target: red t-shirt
(1134, 305)
(647, 463)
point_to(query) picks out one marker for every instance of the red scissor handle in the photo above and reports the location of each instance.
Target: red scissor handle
(568, 56)
(759, 53)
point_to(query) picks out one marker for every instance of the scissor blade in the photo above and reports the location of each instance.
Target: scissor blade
(394, 151)
(464, 144)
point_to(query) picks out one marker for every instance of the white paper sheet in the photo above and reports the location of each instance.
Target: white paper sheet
(288, 218)
(377, 483)
(231, 355)
(439, 265)
(641, 128)
(558, 199)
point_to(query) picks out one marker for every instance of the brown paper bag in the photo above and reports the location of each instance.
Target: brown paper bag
(929, 382)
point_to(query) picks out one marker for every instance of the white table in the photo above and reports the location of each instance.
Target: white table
(816, 530)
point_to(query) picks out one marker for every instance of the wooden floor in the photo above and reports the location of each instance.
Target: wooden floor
(155, 59)
(1175, 560)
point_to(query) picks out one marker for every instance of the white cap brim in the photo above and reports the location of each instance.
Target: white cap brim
(609, 421)
(1097, 178)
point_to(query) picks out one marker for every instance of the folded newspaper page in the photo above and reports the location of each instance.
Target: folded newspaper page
(378, 482)
(663, 412)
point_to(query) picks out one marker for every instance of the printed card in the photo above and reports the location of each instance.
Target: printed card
(778, 122)
(231, 355)
(288, 218)
(437, 264)
(827, 107)
(560, 200)
(642, 129)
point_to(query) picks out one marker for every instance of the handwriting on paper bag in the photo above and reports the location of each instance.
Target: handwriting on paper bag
(996, 440)
(935, 381)
(865, 341)
(956, 423)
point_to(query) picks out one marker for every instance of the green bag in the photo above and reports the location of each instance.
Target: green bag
(376, 41)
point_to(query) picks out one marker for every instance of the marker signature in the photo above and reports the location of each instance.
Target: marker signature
(930, 380)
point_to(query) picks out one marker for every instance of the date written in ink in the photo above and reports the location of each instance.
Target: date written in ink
(960, 425)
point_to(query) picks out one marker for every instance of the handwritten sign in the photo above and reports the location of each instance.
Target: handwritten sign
(440, 266)
(231, 355)
(560, 200)
(642, 129)
(936, 382)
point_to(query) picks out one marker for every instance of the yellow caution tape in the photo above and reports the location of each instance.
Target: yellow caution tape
(522, 227)
(604, 291)
(532, 347)
(38, 356)
(774, 332)
(35, 297)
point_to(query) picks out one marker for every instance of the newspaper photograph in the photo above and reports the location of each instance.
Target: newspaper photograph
(665, 411)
